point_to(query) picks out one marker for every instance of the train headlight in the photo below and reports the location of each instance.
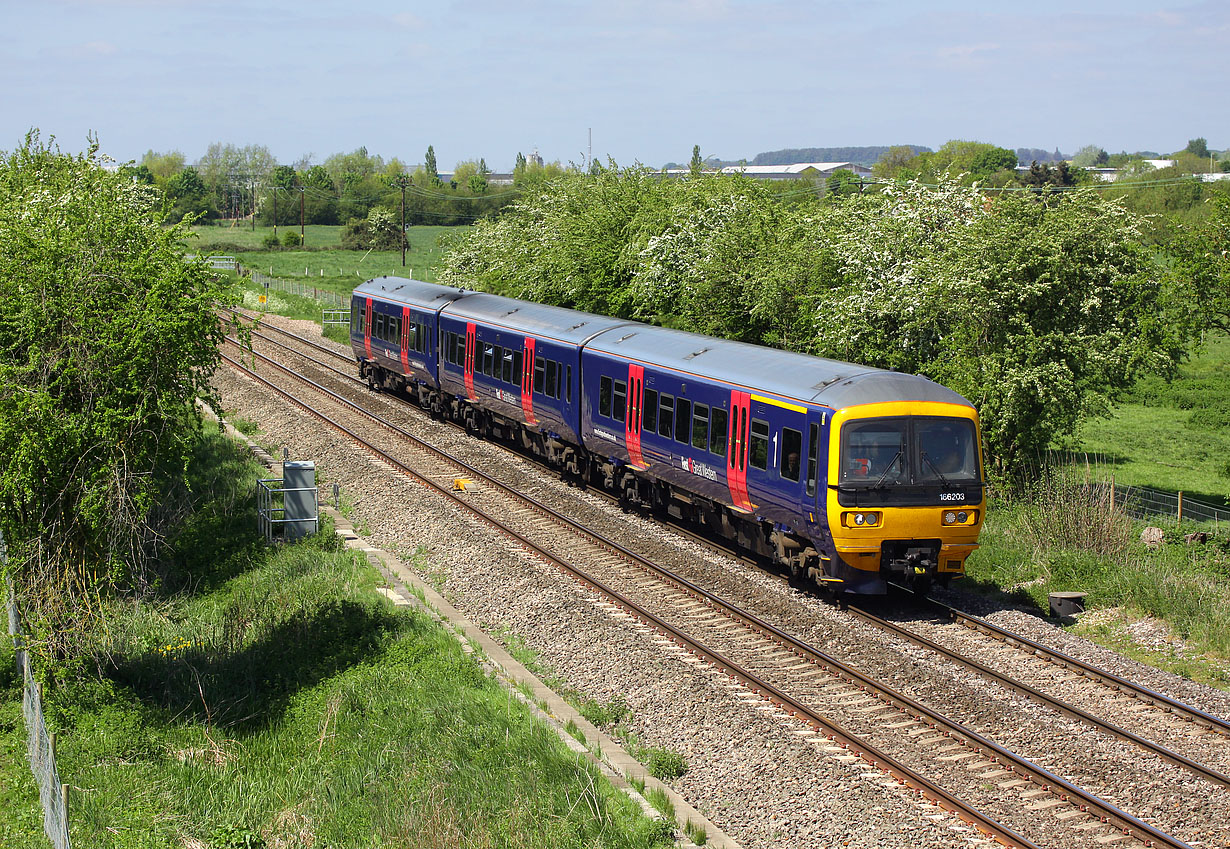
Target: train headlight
(872, 518)
(859, 519)
(962, 516)
(950, 518)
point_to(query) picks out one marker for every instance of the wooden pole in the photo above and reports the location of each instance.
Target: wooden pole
(1180, 507)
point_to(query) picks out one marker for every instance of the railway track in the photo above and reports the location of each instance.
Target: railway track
(804, 681)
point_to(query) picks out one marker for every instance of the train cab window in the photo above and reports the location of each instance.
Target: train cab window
(683, 420)
(813, 446)
(604, 397)
(619, 401)
(717, 432)
(666, 415)
(649, 412)
(550, 385)
(792, 448)
(700, 426)
(760, 444)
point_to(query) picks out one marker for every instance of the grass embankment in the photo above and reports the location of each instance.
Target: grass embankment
(272, 698)
(1173, 436)
(1168, 606)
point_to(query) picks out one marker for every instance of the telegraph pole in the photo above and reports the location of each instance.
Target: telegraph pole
(275, 211)
(302, 237)
(401, 182)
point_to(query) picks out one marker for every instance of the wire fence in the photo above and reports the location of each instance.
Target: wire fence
(1145, 502)
(294, 287)
(40, 742)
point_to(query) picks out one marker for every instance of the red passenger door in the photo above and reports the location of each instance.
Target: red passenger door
(632, 422)
(367, 329)
(405, 340)
(527, 380)
(471, 343)
(736, 450)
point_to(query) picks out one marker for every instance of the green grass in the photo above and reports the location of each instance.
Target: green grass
(1059, 538)
(1173, 436)
(324, 264)
(271, 698)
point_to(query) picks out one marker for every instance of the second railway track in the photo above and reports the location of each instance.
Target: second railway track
(834, 696)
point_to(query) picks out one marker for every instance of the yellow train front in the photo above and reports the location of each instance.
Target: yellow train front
(905, 497)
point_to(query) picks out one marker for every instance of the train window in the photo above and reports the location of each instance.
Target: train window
(395, 330)
(412, 340)
(813, 446)
(540, 372)
(569, 384)
(356, 317)
(683, 420)
(604, 397)
(559, 380)
(700, 426)
(420, 337)
(516, 368)
(792, 447)
(666, 415)
(619, 401)
(488, 359)
(378, 326)
(552, 388)
(506, 367)
(649, 413)
(717, 432)
(760, 444)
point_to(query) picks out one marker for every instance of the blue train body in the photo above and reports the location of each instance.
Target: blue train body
(836, 471)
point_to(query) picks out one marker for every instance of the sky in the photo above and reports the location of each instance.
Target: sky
(646, 79)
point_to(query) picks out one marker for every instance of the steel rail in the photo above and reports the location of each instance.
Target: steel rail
(1110, 679)
(1107, 812)
(1207, 773)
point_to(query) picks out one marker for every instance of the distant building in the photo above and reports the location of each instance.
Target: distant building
(797, 171)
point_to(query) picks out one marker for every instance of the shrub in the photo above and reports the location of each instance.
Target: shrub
(292, 239)
(270, 240)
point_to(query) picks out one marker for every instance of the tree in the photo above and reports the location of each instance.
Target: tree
(1198, 147)
(163, 165)
(107, 336)
(429, 165)
(893, 162)
(697, 165)
(842, 182)
(189, 197)
(1054, 176)
(1090, 156)
(1203, 253)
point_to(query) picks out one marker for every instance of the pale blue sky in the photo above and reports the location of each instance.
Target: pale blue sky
(489, 78)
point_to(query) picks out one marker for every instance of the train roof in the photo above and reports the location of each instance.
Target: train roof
(571, 327)
(801, 377)
(414, 293)
(814, 380)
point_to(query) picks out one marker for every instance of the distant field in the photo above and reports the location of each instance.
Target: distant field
(323, 260)
(1172, 436)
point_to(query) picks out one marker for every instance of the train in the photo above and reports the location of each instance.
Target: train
(849, 477)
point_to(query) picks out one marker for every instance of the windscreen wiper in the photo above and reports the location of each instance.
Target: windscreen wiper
(938, 473)
(887, 469)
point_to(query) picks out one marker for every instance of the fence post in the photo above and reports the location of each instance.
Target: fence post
(1112, 493)
(1180, 507)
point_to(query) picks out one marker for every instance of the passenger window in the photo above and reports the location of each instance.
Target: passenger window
(666, 416)
(813, 445)
(760, 444)
(792, 446)
(395, 330)
(517, 367)
(700, 426)
(550, 381)
(569, 384)
(620, 402)
(488, 359)
(649, 415)
(378, 326)
(604, 397)
(683, 419)
(540, 371)
(356, 318)
(506, 366)
(717, 432)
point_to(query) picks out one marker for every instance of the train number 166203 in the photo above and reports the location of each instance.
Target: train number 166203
(952, 496)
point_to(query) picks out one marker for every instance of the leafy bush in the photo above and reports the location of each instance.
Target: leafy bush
(292, 239)
(664, 764)
(271, 240)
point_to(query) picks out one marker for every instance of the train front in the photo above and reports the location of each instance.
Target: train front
(905, 496)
